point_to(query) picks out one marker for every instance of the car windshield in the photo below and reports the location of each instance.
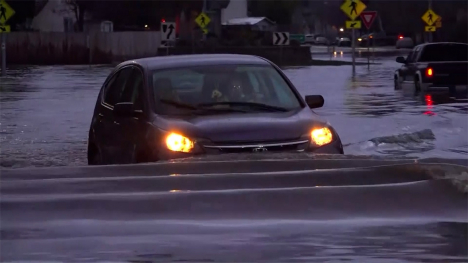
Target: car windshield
(240, 88)
(444, 52)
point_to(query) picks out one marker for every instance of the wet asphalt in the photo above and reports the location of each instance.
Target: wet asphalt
(46, 112)
(254, 209)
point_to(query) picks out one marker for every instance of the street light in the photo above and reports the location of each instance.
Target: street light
(341, 29)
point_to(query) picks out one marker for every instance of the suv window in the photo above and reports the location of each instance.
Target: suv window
(115, 87)
(444, 52)
(134, 89)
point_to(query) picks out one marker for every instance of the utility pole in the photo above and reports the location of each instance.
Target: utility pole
(430, 33)
(204, 11)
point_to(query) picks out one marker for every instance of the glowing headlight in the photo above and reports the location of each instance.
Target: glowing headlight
(178, 143)
(321, 136)
(359, 39)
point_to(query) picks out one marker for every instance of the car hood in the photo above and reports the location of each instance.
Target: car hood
(244, 127)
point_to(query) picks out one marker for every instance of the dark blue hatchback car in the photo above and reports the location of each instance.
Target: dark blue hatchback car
(162, 108)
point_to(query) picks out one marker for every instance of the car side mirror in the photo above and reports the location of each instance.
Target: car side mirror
(314, 101)
(401, 60)
(124, 109)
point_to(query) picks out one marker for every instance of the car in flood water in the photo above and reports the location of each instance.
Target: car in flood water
(163, 108)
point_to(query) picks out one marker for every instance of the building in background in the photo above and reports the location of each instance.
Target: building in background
(235, 9)
(53, 16)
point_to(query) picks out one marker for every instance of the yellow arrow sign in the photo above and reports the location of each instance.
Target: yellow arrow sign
(353, 8)
(202, 20)
(430, 17)
(6, 12)
(430, 29)
(5, 28)
(353, 24)
(205, 30)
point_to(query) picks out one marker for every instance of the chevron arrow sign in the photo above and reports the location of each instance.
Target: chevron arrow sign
(281, 38)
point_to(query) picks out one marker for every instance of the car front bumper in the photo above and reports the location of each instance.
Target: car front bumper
(335, 147)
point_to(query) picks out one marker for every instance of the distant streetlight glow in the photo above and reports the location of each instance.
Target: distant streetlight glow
(341, 29)
(146, 25)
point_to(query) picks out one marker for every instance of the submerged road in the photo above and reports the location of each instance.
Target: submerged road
(46, 112)
(258, 208)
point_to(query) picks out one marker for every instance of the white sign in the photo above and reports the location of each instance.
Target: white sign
(281, 38)
(168, 31)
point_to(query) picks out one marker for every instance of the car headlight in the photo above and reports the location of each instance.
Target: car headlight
(321, 136)
(178, 143)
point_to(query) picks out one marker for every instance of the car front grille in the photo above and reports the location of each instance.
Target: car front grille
(257, 147)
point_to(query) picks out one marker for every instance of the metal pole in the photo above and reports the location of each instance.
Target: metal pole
(204, 11)
(368, 49)
(430, 33)
(353, 47)
(88, 45)
(3, 54)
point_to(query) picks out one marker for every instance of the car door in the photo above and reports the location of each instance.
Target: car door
(133, 129)
(110, 133)
(102, 119)
(405, 71)
(413, 66)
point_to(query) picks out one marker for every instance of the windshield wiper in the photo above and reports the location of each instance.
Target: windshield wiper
(178, 104)
(249, 104)
(198, 109)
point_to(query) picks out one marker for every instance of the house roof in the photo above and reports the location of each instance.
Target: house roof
(247, 21)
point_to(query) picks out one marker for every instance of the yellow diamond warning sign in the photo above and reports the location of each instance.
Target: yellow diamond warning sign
(430, 17)
(353, 8)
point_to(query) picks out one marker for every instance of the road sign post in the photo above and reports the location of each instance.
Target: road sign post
(6, 12)
(167, 34)
(3, 56)
(430, 18)
(202, 21)
(353, 8)
(368, 18)
(281, 39)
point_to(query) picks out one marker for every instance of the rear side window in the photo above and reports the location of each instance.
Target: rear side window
(444, 52)
(115, 87)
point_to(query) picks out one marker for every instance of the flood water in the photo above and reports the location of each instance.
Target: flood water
(200, 212)
(46, 113)
(233, 209)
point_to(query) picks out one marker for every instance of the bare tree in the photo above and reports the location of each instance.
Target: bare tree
(79, 8)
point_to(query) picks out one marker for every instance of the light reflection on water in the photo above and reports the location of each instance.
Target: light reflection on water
(41, 123)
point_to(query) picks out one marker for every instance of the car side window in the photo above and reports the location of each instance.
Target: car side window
(409, 58)
(114, 90)
(134, 90)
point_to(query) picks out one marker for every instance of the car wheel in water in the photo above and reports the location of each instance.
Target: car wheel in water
(417, 86)
(94, 156)
(396, 83)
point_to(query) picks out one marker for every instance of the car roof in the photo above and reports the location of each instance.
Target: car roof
(161, 62)
(440, 43)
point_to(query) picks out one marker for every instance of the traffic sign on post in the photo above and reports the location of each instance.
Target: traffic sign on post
(281, 38)
(430, 29)
(430, 17)
(168, 31)
(5, 28)
(6, 12)
(353, 8)
(368, 18)
(353, 24)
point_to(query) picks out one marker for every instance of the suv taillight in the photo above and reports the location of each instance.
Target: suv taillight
(429, 72)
